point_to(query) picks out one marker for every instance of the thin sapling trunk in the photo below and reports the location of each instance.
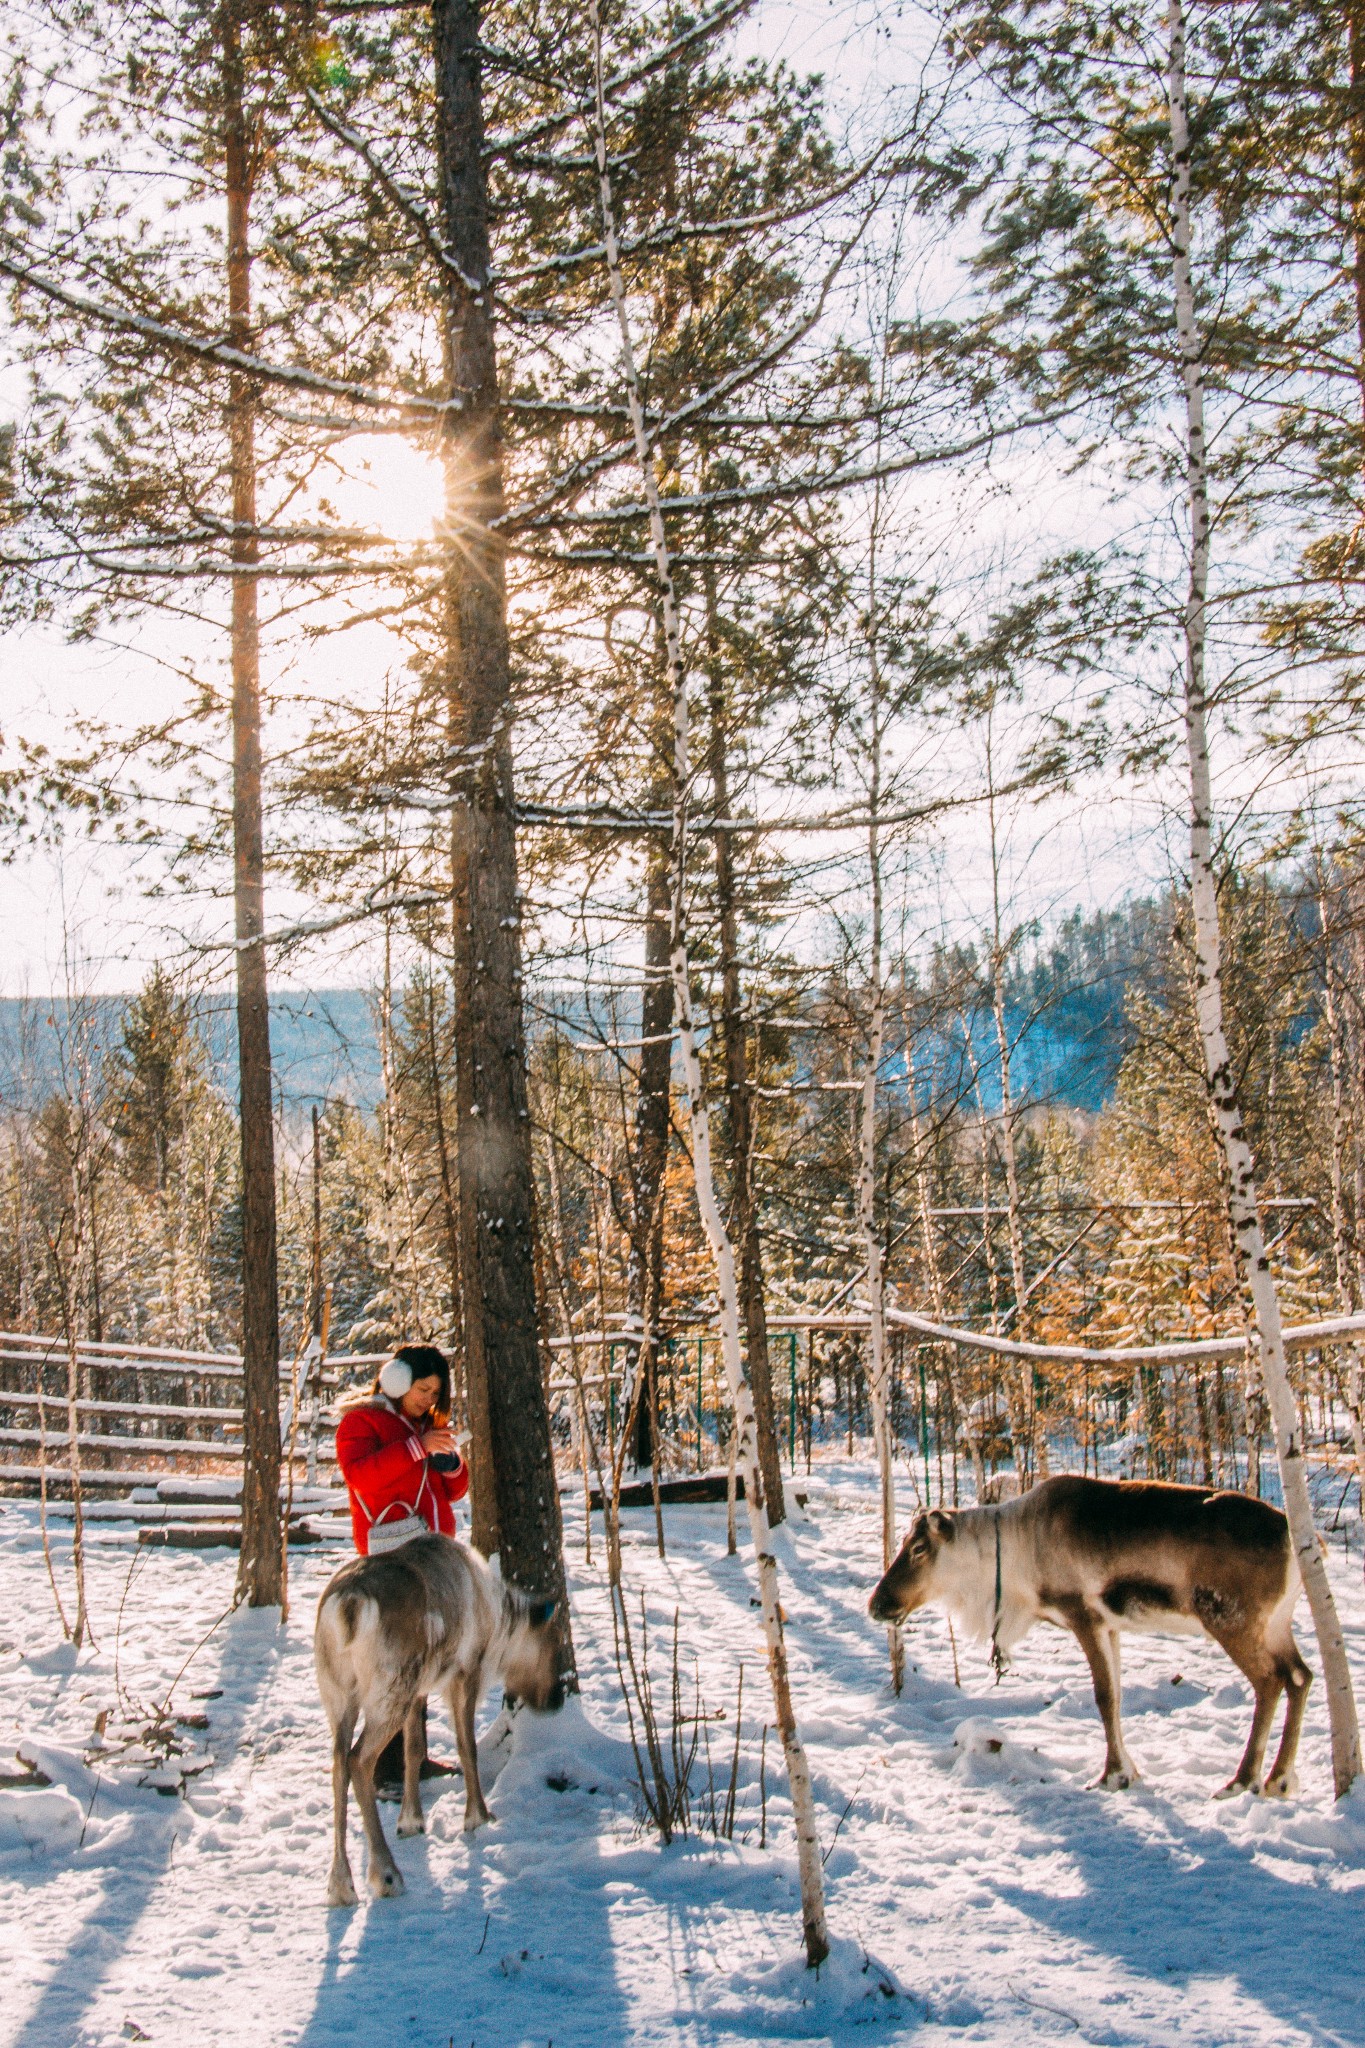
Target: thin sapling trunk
(708, 1203)
(877, 1352)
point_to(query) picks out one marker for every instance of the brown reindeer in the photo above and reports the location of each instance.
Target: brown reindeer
(428, 1617)
(1100, 1557)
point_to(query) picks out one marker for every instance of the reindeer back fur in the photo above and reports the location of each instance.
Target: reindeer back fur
(411, 1621)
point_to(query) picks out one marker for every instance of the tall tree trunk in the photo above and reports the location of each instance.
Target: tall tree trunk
(739, 1096)
(96, 1291)
(1355, 55)
(260, 1571)
(809, 1861)
(1355, 1040)
(67, 1271)
(451, 1211)
(877, 1355)
(649, 1148)
(503, 1363)
(1242, 1198)
(388, 1102)
(1014, 1382)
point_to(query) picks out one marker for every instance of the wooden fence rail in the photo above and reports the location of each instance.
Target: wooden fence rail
(156, 1411)
(145, 1395)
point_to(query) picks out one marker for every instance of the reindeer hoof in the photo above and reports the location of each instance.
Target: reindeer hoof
(1234, 1789)
(341, 1891)
(474, 1821)
(411, 1824)
(387, 1884)
(1115, 1781)
(1282, 1786)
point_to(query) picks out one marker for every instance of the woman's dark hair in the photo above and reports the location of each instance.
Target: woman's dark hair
(426, 1363)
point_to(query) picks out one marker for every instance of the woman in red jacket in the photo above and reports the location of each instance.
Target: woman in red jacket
(404, 1473)
(401, 1464)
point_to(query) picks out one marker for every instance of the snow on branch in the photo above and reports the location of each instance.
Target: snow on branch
(209, 348)
(619, 81)
(677, 233)
(408, 202)
(842, 478)
(1303, 1336)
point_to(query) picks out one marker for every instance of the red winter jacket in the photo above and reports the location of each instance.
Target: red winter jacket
(384, 1463)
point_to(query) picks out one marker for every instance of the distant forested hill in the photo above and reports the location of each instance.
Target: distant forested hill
(325, 1044)
(1064, 1003)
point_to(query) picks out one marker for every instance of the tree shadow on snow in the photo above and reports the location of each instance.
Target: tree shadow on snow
(561, 1924)
(1196, 1905)
(514, 1944)
(1192, 1905)
(133, 1871)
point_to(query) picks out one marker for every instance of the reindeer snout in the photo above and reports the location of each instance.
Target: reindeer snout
(557, 1697)
(881, 1606)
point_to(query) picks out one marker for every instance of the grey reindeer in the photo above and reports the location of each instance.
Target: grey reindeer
(428, 1617)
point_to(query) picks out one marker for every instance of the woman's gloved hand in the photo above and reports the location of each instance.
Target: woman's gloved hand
(445, 1449)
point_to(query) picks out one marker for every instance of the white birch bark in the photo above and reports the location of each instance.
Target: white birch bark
(80, 1625)
(578, 1411)
(1242, 1198)
(923, 1193)
(1015, 1383)
(69, 1264)
(929, 1253)
(1035, 1441)
(694, 1099)
(877, 1355)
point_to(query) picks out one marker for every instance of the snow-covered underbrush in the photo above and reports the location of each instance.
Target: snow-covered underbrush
(165, 1817)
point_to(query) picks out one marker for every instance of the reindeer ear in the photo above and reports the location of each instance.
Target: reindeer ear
(943, 1526)
(541, 1612)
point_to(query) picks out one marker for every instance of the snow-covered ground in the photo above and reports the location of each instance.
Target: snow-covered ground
(978, 1891)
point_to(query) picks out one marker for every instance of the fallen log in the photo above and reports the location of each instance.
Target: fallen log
(695, 1489)
(213, 1536)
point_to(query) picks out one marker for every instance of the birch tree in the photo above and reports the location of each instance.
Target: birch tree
(1034, 1463)
(722, 1251)
(869, 1224)
(1344, 1267)
(1223, 1095)
(1168, 302)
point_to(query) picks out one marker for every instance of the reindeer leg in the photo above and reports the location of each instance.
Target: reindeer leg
(341, 1889)
(1247, 1777)
(1261, 1672)
(1297, 1678)
(410, 1820)
(463, 1694)
(1101, 1647)
(383, 1875)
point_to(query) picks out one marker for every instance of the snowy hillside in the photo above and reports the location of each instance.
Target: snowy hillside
(978, 1892)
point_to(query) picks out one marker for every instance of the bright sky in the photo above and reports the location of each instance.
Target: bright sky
(82, 917)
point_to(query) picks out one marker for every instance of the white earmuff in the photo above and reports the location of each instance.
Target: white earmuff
(395, 1378)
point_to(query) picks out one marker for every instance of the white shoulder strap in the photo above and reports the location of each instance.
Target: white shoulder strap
(364, 1509)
